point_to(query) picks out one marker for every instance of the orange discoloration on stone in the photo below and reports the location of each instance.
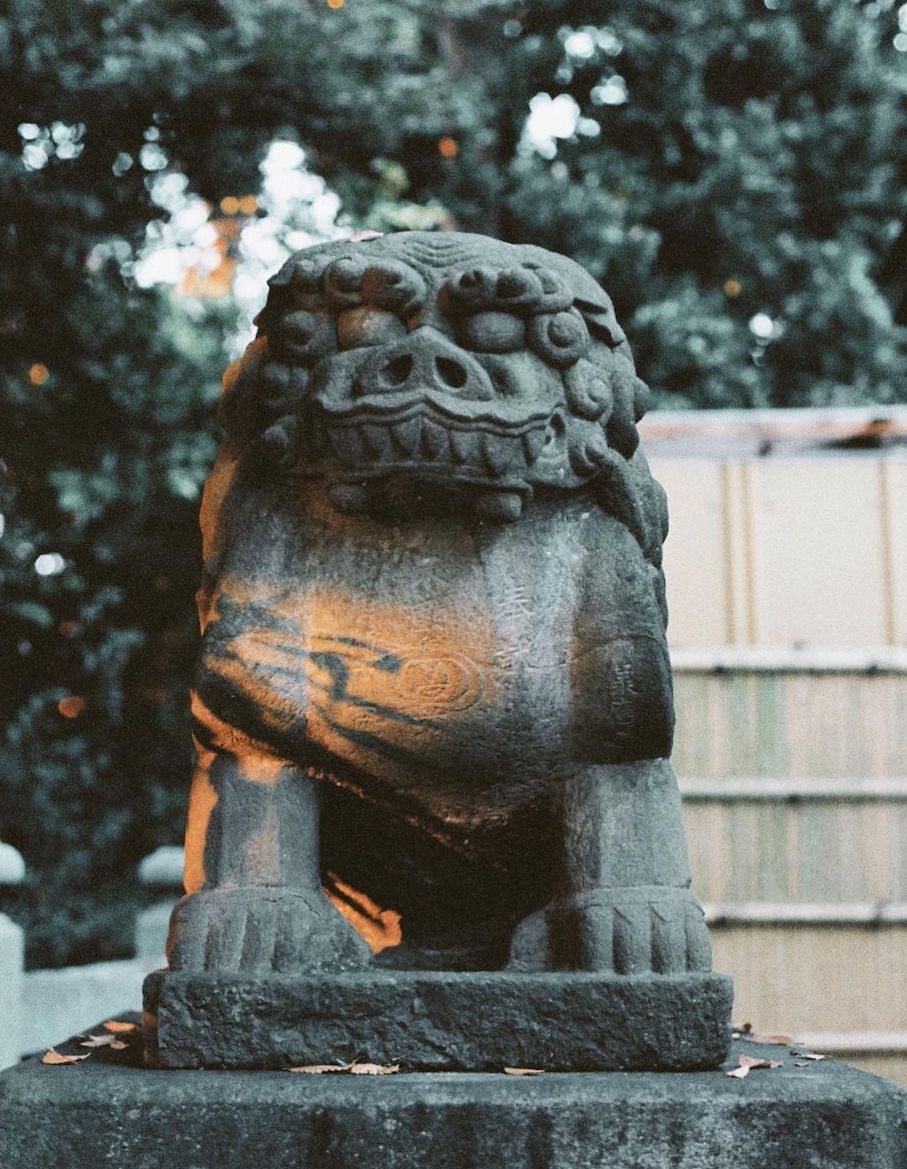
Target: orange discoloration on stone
(255, 351)
(395, 674)
(380, 928)
(202, 800)
(226, 736)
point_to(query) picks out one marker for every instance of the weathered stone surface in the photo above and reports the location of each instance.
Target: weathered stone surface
(109, 1111)
(433, 709)
(440, 1020)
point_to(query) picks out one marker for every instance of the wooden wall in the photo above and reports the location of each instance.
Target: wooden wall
(793, 551)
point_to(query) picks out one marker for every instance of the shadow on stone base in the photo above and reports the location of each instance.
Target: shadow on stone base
(440, 1021)
(111, 1111)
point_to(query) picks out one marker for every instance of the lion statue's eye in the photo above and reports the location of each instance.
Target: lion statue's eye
(492, 332)
(368, 326)
(560, 338)
(304, 336)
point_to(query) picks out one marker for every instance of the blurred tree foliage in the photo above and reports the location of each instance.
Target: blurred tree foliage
(732, 170)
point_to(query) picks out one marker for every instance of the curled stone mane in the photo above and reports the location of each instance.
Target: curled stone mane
(447, 358)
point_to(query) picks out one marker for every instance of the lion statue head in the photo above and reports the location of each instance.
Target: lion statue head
(436, 366)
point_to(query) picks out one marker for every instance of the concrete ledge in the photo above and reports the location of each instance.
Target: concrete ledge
(110, 1111)
(440, 1021)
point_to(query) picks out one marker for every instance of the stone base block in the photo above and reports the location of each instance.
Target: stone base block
(440, 1021)
(109, 1110)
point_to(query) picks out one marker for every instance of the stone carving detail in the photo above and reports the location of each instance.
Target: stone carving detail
(433, 709)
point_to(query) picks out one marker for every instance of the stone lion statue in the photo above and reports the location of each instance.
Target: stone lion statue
(433, 709)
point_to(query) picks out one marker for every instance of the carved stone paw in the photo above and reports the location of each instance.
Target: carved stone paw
(255, 931)
(639, 930)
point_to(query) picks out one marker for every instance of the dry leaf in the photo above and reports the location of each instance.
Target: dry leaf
(107, 1040)
(745, 1031)
(523, 1071)
(118, 1027)
(349, 1069)
(748, 1064)
(374, 1069)
(809, 1055)
(52, 1056)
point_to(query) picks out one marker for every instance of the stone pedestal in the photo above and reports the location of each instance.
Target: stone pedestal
(109, 1110)
(440, 1021)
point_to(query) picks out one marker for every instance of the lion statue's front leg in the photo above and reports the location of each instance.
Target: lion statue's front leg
(254, 900)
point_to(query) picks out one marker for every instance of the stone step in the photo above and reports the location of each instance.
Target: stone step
(107, 1110)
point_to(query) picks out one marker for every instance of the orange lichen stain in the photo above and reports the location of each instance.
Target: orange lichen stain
(38, 373)
(72, 706)
(202, 800)
(225, 736)
(391, 675)
(253, 352)
(380, 928)
(448, 147)
(732, 287)
(217, 488)
(335, 3)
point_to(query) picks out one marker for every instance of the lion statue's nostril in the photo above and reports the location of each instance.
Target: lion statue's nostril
(397, 370)
(450, 373)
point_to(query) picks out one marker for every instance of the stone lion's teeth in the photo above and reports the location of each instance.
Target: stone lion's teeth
(434, 439)
(406, 435)
(498, 452)
(464, 446)
(533, 441)
(376, 441)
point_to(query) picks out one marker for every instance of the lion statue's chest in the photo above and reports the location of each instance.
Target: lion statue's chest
(427, 650)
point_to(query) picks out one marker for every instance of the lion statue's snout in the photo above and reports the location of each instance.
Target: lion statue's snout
(426, 365)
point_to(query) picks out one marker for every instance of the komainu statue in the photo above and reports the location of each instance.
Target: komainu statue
(433, 709)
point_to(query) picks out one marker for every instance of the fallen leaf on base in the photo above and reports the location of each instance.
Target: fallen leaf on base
(747, 1064)
(745, 1031)
(373, 1069)
(108, 1040)
(52, 1056)
(118, 1027)
(523, 1071)
(807, 1056)
(349, 1069)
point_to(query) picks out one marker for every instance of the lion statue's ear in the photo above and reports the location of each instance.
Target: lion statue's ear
(625, 484)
